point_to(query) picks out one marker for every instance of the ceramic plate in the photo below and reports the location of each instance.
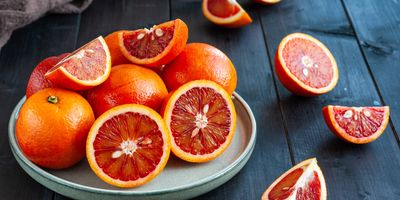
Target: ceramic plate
(179, 180)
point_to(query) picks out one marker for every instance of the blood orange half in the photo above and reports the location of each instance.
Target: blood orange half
(86, 67)
(305, 66)
(227, 13)
(201, 120)
(128, 145)
(357, 125)
(154, 47)
(304, 181)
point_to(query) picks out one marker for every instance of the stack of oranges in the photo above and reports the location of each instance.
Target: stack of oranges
(126, 100)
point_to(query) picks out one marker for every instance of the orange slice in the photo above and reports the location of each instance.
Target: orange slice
(227, 13)
(86, 67)
(267, 2)
(128, 145)
(201, 120)
(305, 66)
(154, 47)
(303, 181)
(357, 125)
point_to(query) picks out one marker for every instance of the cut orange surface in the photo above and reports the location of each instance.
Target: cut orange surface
(227, 13)
(305, 66)
(84, 68)
(128, 145)
(267, 2)
(201, 120)
(154, 47)
(304, 181)
(357, 125)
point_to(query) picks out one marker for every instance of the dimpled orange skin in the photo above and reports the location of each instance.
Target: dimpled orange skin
(117, 58)
(128, 83)
(53, 135)
(200, 61)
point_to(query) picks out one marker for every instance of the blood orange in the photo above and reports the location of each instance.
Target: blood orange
(304, 181)
(357, 125)
(154, 47)
(201, 120)
(305, 66)
(227, 13)
(37, 81)
(85, 68)
(128, 84)
(128, 145)
(117, 58)
(200, 61)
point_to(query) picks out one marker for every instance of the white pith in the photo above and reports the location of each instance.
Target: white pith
(201, 121)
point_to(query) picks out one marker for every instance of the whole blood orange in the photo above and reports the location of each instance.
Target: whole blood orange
(200, 61)
(304, 181)
(154, 47)
(305, 66)
(117, 58)
(52, 127)
(126, 84)
(128, 145)
(357, 125)
(227, 13)
(201, 120)
(37, 81)
(85, 68)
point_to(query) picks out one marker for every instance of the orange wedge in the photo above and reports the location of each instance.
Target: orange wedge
(86, 67)
(226, 13)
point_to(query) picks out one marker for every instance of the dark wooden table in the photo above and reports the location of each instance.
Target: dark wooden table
(363, 35)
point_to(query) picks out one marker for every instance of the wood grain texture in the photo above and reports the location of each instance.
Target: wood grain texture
(377, 27)
(247, 50)
(351, 171)
(106, 16)
(26, 48)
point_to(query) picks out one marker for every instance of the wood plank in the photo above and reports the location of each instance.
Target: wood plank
(104, 17)
(247, 51)
(51, 35)
(351, 171)
(377, 27)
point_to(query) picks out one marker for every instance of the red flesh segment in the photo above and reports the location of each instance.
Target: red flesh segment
(308, 62)
(312, 189)
(222, 8)
(285, 188)
(148, 43)
(129, 126)
(183, 121)
(359, 122)
(86, 62)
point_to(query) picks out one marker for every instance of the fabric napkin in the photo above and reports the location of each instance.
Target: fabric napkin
(15, 14)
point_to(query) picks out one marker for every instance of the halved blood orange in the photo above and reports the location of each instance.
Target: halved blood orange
(304, 181)
(357, 125)
(201, 120)
(128, 145)
(86, 67)
(267, 2)
(227, 13)
(154, 47)
(305, 66)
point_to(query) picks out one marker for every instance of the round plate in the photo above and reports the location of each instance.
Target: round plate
(179, 179)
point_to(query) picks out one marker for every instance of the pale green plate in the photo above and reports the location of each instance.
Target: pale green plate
(179, 180)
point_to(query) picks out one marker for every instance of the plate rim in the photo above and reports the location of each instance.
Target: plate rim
(52, 178)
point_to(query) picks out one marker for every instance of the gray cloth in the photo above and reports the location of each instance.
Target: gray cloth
(15, 14)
